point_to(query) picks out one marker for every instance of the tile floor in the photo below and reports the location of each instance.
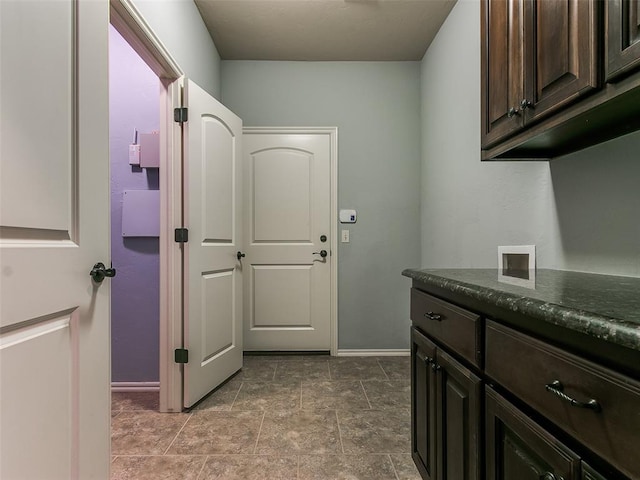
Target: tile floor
(281, 417)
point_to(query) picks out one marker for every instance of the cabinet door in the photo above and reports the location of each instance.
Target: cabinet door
(623, 37)
(502, 69)
(459, 414)
(561, 39)
(423, 405)
(517, 448)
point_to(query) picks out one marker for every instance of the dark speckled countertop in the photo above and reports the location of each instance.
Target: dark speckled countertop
(603, 306)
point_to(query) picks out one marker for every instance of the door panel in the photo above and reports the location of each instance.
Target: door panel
(288, 300)
(212, 212)
(54, 191)
(623, 37)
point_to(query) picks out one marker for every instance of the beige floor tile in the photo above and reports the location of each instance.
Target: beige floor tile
(257, 369)
(211, 432)
(396, 368)
(344, 394)
(221, 399)
(405, 468)
(135, 401)
(250, 467)
(376, 431)
(299, 432)
(144, 432)
(356, 368)
(306, 369)
(268, 396)
(347, 467)
(166, 467)
(391, 394)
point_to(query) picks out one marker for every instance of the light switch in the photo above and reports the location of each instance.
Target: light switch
(345, 236)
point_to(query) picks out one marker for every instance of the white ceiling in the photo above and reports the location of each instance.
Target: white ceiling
(319, 30)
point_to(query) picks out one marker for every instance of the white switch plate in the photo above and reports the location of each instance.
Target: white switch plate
(345, 236)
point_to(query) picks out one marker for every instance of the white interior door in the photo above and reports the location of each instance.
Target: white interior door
(54, 225)
(213, 216)
(287, 180)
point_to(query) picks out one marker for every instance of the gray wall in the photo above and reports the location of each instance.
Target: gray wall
(376, 107)
(579, 210)
(181, 29)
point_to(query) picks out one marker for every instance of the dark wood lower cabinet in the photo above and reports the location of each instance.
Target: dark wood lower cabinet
(517, 448)
(446, 415)
(423, 405)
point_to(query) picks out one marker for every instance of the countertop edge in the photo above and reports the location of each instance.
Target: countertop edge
(609, 329)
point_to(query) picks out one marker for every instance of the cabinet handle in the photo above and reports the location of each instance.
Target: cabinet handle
(435, 367)
(557, 388)
(434, 316)
(513, 112)
(524, 104)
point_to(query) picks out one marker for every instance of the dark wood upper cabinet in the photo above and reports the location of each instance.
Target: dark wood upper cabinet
(623, 38)
(561, 54)
(537, 56)
(502, 69)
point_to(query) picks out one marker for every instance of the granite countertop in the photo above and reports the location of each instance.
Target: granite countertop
(603, 306)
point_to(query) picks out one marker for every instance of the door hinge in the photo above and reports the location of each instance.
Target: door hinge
(181, 235)
(181, 355)
(180, 114)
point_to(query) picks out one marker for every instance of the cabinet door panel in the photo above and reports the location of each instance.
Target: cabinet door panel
(517, 448)
(623, 37)
(561, 51)
(502, 69)
(459, 414)
(423, 405)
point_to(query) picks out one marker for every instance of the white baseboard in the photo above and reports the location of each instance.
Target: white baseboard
(135, 386)
(343, 352)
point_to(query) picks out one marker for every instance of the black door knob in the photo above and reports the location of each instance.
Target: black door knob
(99, 271)
(322, 253)
(240, 255)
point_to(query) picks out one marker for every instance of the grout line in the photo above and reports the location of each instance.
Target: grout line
(255, 447)
(365, 395)
(236, 397)
(206, 457)
(177, 434)
(393, 465)
(300, 408)
(339, 431)
(298, 468)
(382, 368)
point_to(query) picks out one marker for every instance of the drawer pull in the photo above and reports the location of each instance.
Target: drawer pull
(433, 316)
(557, 388)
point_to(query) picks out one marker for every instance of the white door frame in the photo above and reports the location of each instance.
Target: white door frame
(126, 18)
(333, 234)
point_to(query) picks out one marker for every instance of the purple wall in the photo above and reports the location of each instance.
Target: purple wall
(135, 301)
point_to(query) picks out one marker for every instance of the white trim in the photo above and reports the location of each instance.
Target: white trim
(126, 18)
(135, 386)
(346, 352)
(333, 135)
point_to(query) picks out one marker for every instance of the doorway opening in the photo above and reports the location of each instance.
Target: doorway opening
(134, 126)
(150, 274)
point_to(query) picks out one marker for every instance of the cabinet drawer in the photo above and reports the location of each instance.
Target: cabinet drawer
(528, 368)
(451, 325)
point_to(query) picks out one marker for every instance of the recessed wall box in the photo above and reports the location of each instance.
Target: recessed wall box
(348, 216)
(517, 265)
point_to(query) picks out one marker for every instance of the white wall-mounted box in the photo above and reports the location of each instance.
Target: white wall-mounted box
(149, 150)
(141, 213)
